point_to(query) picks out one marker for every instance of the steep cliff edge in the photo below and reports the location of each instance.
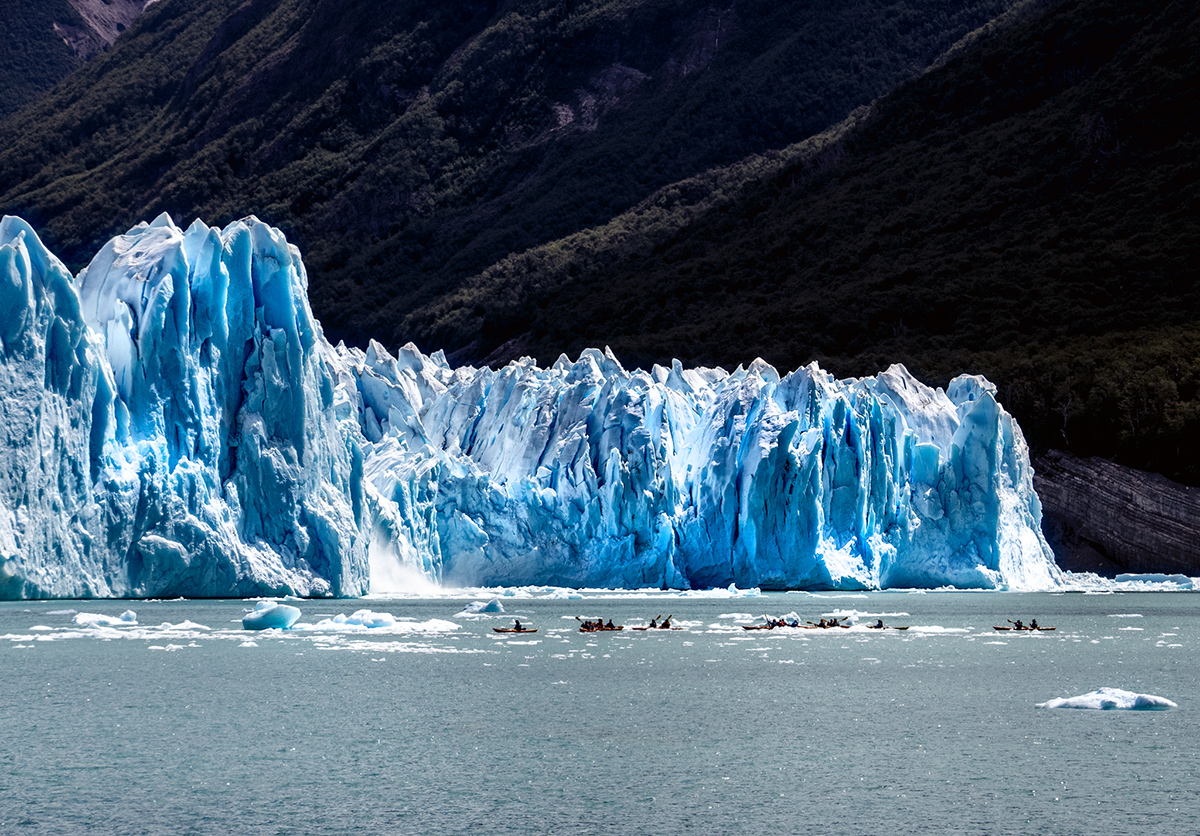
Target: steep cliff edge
(1101, 517)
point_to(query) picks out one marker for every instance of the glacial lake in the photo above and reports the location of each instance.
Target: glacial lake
(439, 725)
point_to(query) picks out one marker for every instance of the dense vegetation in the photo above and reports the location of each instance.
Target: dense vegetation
(33, 56)
(407, 145)
(1030, 211)
(536, 176)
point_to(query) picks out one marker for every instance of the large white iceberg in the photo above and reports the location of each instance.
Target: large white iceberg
(1111, 699)
(178, 425)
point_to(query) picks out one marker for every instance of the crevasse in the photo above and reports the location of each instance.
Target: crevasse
(178, 425)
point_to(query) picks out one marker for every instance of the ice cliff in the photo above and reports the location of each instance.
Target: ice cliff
(176, 424)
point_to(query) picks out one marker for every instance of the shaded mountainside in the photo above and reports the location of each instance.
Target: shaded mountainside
(1101, 517)
(1030, 210)
(405, 146)
(537, 177)
(45, 40)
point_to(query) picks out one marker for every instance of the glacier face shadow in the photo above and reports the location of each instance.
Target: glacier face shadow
(177, 424)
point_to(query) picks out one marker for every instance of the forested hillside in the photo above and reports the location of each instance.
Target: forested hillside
(33, 58)
(45, 40)
(681, 179)
(1030, 211)
(404, 146)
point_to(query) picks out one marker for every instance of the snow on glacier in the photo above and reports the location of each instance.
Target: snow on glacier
(176, 424)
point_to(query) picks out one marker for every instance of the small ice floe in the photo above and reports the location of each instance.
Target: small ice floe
(89, 619)
(563, 595)
(183, 625)
(271, 614)
(1112, 699)
(1177, 581)
(362, 621)
(479, 607)
(356, 621)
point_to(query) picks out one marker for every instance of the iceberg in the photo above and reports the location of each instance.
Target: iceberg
(1178, 581)
(88, 619)
(1110, 699)
(268, 615)
(178, 425)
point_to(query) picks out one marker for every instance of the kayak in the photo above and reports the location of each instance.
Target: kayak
(873, 627)
(601, 629)
(758, 626)
(1027, 629)
(655, 628)
(515, 630)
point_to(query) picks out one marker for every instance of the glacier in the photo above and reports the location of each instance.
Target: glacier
(176, 424)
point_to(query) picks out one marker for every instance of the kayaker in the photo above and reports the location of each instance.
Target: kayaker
(666, 625)
(654, 623)
(879, 624)
(1018, 625)
(517, 621)
(1033, 624)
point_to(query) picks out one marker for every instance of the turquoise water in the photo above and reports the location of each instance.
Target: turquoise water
(424, 729)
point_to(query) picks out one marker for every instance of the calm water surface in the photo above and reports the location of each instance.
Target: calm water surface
(425, 729)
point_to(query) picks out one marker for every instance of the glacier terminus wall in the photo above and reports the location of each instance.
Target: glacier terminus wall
(176, 424)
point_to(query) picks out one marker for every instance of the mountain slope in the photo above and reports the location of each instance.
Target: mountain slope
(409, 145)
(1030, 210)
(45, 40)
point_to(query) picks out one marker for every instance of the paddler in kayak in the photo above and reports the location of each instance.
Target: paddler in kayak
(517, 624)
(1033, 624)
(879, 624)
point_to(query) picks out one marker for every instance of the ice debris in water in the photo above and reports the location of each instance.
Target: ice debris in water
(1109, 699)
(184, 428)
(476, 607)
(87, 619)
(1179, 581)
(269, 615)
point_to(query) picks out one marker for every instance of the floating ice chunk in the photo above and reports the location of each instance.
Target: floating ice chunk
(271, 615)
(1110, 699)
(1181, 581)
(183, 625)
(476, 607)
(368, 619)
(87, 619)
(363, 621)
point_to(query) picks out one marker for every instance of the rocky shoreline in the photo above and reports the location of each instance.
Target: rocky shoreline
(1105, 518)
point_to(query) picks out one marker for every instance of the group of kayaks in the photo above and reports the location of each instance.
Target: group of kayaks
(823, 624)
(600, 626)
(597, 626)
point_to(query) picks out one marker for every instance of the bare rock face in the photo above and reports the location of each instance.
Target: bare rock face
(105, 18)
(1105, 518)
